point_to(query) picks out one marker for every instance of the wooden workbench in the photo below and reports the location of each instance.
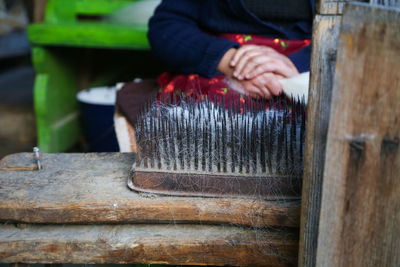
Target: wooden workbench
(79, 210)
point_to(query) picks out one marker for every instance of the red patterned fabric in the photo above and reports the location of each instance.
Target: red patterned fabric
(197, 86)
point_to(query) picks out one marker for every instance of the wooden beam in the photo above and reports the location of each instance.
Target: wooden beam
(360, 209)
(150, 244)
(91, 188)
(39, 10)
(325, 34)
(330, 7)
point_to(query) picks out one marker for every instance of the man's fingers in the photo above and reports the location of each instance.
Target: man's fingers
(263, 86)
(259, 87)
(272, 83)
(244, 60)
(255, 60)
(277, 67)
(248, 60)
(251, 89)
(248, 54)
(260, 63)
(240, 52)
(265, 91)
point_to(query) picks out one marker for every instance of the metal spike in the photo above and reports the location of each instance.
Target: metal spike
(196, 144)
(254, 107)
(217, 147)
(188, 142)
(271, 104)
(181, 137)
(285, 137)
(173, 154)
(157, 143)
(246, 146)
(139, 141)
(145, 144)
(302, 133)
(242, 145)
(233, 143)
(271, 152)
(254, 145)
(204, 147)
(210, 143)
(236, 104)
(178, 138)
(249, 145)
(165, 142)
(285, 107)
(173, 99)
(293, 131)
(262, 143)
(230, 108)
(151, 141)
(279, 148)
(224, 152)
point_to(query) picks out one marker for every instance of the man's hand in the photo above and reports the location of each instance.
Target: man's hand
(263, 85)
(224, 64)
(256, 70)
(249, 61)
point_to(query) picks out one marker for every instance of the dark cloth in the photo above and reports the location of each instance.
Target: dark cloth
(182, 33)
(280, 12)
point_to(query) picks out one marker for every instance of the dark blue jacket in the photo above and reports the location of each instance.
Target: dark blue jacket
(181, 33)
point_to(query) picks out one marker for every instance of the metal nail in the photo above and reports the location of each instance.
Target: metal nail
(36, 156)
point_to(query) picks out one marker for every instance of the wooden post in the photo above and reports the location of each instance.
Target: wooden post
(360, 207)
(39, 10)
(325, 34)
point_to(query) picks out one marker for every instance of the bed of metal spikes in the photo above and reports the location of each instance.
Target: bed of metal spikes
(212, 136)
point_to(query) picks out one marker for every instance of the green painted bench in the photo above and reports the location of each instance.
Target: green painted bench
(70, 27)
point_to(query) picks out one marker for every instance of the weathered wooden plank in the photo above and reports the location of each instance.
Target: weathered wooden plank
(152, 244)
(334, 7)
(39, 10)
(91, 188)
(326, 31)
(330, 7)
(360, 210)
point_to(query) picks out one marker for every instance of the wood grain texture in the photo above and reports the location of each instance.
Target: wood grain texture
(333, 7)
(91, 188)
(151, 244)
(330, 7)
(360, 210)
(326, 31)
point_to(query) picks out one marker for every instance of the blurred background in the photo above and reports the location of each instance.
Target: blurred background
(17, 120)
(50, 50)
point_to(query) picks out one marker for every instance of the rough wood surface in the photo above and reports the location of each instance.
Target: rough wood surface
(326, 31)
(91, 188)
(330, 7)
(360, 210)
(156, 244)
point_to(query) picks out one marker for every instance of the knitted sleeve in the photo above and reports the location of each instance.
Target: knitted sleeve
(301, 59)
(176, 38)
